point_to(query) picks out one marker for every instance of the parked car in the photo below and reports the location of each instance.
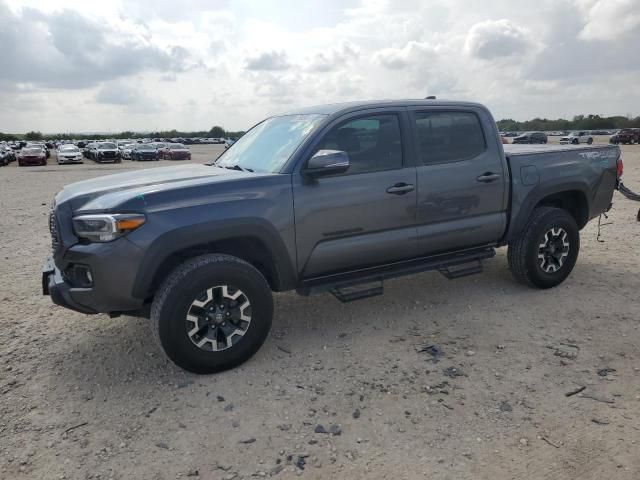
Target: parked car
(69, 153)
(158, 145)
(89, 150)
(625, 136)
(8, 154)
(4, 156)
(126, 151)
(175, 151)
(122, 144)
(144, 151)
(40, 145)
(530, 137)
(32, 156)
(575, 138)
(106, 152)
(320, 199)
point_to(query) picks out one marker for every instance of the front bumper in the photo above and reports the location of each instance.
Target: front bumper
(29, 162)
(113, 267)
(54, 285)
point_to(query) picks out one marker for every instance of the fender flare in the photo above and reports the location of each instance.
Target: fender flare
(190, 236)
(539, 193)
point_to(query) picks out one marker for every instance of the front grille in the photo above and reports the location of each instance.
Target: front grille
(108, 154)
(53, 228)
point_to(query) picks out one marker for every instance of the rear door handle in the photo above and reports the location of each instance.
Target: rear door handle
(488, 177)
(400, 189)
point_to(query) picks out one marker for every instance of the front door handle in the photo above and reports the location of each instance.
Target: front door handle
(488, 177)
(400, 189)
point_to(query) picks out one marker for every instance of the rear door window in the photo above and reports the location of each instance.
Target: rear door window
(448, 136)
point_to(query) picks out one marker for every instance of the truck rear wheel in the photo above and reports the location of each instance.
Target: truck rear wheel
(212, 313)
(546, 251)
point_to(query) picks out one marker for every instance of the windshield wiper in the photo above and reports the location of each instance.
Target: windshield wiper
(238, 167)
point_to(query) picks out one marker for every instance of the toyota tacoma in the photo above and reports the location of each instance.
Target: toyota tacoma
(334, 198)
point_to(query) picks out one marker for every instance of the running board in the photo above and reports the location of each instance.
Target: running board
(452, 272)
(357, 292)
(355, 285)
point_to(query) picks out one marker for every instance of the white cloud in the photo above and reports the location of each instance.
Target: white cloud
(268, 61)
(611, 19)
(141, 64)
(334, 58)
(492, 39)
(67, 50)
(133, 100)
(411, 54)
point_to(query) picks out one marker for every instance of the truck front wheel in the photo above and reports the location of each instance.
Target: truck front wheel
(212, 313)
(546, 250)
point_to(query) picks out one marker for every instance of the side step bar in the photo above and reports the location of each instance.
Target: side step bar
(368, 282)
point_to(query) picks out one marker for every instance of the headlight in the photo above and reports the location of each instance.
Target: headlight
(104, 227)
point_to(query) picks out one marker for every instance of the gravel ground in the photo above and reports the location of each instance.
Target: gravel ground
(438, 379)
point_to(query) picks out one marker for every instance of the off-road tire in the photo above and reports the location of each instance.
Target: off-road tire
(174, 297)
(523, 251)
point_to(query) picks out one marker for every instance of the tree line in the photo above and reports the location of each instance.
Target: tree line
(579, 122)
(214, 132)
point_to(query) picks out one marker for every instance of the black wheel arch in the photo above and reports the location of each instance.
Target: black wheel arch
(572, 197)
(255, 242)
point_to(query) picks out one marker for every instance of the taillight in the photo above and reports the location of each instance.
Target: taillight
(619, 167)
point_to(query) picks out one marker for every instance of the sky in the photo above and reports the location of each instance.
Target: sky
(100, 66)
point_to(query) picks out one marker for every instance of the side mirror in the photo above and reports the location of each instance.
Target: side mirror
(327, 162)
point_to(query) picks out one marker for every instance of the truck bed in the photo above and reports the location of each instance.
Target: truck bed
(540, 170)
(511, 149)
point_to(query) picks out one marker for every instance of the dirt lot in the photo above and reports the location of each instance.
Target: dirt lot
(93, 397)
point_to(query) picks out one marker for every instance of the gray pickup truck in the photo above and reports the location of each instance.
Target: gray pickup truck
(334, 198)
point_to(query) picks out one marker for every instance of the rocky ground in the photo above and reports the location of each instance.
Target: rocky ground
(468, 379)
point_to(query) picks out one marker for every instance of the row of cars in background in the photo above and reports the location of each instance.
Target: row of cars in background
(626, 136)
(102, 152)
(37, 153)
(24, 153)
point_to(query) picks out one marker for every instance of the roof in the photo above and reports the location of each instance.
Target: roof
(334, 108)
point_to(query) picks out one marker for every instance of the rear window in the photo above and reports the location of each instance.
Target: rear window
(448, 136)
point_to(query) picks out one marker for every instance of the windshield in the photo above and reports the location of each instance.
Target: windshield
(145, 147)
(268, 145)
(177, 147)
(31, 151)
(106, 145)
(68, 148)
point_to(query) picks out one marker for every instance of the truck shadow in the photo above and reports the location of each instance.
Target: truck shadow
(121, 355)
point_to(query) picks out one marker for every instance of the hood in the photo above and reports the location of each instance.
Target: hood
(110, 191)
